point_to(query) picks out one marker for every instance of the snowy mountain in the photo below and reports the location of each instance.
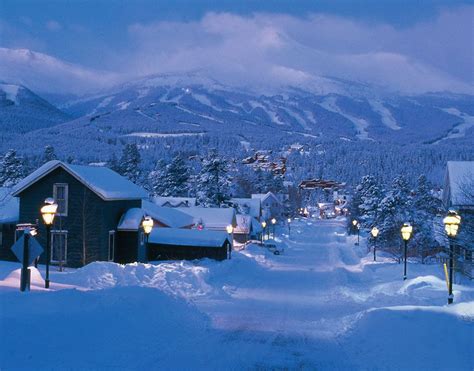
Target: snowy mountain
(193, 103)
(21, 110)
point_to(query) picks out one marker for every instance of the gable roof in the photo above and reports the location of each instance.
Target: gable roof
(211, 217)
(106, 183)
(188, 237)
(264, 196)
(175, 201)
(131, 220)
(9, 207)
(459, 175)
(253, 205)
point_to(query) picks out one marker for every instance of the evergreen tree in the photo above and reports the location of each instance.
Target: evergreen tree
(11, 169)
(49, 154)
(369, 196)
(175, 178)
(425, 209)
(155, 180)
(213, 182)
(130, 163)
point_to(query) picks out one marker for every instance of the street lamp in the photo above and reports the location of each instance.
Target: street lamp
(229, 229)
(48, 211)
(264, 225)
(406, 230)
(375, 232)
(273, 223)
(147, 225)
(289, 226)
(451, 224)
(356, 225)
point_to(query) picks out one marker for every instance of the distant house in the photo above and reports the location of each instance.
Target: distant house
(272, 207)
(9, 215)
(458, 194)
(247, 228)
(248, 206)
(175, 201)
(91, 201)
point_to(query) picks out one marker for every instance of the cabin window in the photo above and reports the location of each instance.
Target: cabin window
(59, 246)
(60, 194)
(111, 255)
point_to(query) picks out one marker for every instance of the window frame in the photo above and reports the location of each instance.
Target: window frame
(59, 232)
(113, 235)
(66, 197)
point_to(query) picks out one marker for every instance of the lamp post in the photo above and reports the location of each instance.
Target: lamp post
(147, 225)
(356, 225)
(289, 226)
(264, 225)
(451, 225)
(48, 211)
(273, 224)
(375, 232)
(230, 230)
(406, 230)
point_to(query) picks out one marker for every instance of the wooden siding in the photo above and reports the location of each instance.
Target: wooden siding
(178, 252)
(7, 241)
(89, 217)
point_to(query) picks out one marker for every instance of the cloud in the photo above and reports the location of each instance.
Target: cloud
(53, 26)
(43, 73)
(277, 49)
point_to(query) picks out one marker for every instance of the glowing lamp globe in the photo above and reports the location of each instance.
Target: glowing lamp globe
(374, 232)
(451, 223)
(264, 224)
(274, 221)
(354, 222)
(48, 211)
(289, 220)
(147, 225)
(229, 229)
(406, 230)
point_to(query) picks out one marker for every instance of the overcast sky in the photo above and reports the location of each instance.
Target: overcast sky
(412, 46)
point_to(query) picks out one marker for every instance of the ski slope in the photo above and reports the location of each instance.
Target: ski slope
(322, 304)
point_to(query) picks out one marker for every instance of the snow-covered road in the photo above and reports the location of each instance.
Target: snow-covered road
(323, 304)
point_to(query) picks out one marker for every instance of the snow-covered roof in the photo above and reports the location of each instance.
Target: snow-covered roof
(9, 207)
(188, 237)
(171, 217)
(459, 177)
(131, 220)
(211, 217)
(264, 196)
(175, 201)
(252, 204)
(106, 183)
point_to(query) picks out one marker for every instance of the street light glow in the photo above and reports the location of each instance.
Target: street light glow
(375, 232)
(274, 221)
(451, 223)
(48, 211)
(264, 224)
(354, 222)
(406, 230)
(147, 225)
(229, 229)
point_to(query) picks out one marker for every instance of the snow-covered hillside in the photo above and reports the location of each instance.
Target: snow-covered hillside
(340, 109)
(21, 110)
(323, 304)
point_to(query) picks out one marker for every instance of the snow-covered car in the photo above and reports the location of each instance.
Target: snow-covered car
(276, 247)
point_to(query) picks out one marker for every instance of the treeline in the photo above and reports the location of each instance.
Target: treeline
(388, 208)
